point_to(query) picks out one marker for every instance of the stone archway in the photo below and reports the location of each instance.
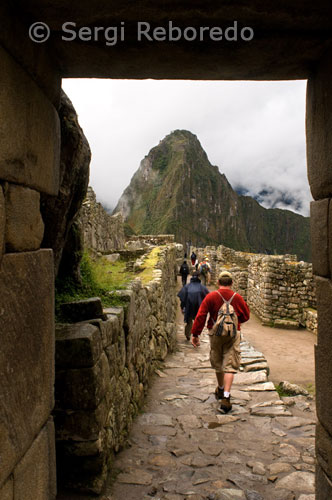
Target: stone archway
(291, 41)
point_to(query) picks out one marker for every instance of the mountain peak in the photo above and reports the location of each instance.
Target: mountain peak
(177, 190)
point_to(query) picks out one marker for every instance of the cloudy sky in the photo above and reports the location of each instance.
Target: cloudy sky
(253, 131)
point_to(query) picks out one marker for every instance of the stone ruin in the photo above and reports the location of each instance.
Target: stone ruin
(103, 369)
(279, 289)
(294, 42)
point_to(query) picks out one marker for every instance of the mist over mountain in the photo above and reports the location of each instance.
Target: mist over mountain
(271, 197)
(177, 190)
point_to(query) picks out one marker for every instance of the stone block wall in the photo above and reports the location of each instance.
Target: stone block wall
(103, 369)
(280, 289)
(29, 167)
(101, 231)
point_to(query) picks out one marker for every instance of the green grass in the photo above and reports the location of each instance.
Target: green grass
(281, 392)
(101, 278)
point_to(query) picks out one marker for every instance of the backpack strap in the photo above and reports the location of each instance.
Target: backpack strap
(227, 302)
(224, 300)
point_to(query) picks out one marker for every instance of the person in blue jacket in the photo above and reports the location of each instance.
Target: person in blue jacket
(191, 296)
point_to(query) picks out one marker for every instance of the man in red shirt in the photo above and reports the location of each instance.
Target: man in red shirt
(225, 354)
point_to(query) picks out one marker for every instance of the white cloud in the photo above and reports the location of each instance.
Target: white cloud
(253, 131)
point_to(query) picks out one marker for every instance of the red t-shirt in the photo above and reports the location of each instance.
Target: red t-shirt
(211, 305)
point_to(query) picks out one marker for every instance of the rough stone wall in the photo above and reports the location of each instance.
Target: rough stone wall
(29, 167)
(101, 232)
(58, 212)
(103, 369)
(319, 154)
(279, 290)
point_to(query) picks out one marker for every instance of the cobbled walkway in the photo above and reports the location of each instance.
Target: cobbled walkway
(181, 447)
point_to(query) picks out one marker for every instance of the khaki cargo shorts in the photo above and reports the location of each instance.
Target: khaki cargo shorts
(225, 353)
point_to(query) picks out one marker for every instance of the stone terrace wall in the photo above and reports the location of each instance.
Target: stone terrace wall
(101, 232)
(279, 290)
(103, 370)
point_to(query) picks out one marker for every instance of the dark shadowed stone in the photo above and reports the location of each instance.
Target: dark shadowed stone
(80, 424)
(77, 346)
(2, 222)
(135, 477)
(82, 310)
(31, 475)
(319, 225)
(323, 349)
(59, 211)
(324, 449)
(318, 123)
(24, 226)
(253, 495)
(84, 388)
(7, 490)
(323, 484)
(33, 160)
(27, 351)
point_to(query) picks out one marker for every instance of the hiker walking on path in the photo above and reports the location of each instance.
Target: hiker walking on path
(194, 261)
(184, 271)
(227, 311)
(191, 297)
(204, 270)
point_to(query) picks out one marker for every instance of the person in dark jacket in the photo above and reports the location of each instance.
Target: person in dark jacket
(184, 271)
(191, 297)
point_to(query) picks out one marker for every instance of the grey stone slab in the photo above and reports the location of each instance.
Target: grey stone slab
(158, 430)
(138, 476)
(77, 345)
(27, 351)
(7, 490)
(189, 421)
(2, 222)
(241, 395)
(31, 475)
(265, 386)
(250, 378)
(32, 161)
(270, 411)
(24, 225)
(83, 389)
(303, 482)
(293, 422)
(229, 494)
(213, 449)
(181, 446)
(162, 460)
(156, 419)
(279, 467)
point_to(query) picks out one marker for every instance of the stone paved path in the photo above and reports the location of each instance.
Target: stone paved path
(181, 447)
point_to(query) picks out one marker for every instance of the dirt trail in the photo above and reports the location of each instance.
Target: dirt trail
(289, 353)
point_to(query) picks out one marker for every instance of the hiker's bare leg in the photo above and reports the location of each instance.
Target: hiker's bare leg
(228, 380)
(225, 380)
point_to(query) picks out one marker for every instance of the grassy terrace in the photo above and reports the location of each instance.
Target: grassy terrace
(102, 278)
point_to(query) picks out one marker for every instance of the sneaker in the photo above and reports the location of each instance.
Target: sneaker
(219, 393)
(225, 405)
